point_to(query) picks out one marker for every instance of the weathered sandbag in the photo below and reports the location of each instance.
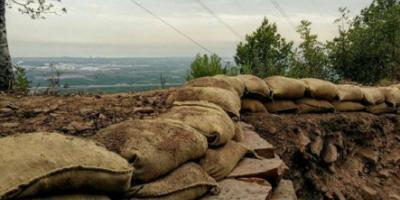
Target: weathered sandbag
(218, 163)
(234, 81)
(212, 82)
(38, 164)
(285, 88)
(320, 89)
(226, 99)
(253, 106)
(209, 119)
(396, 86)
(153, 147)
(348, 106)
(373, 95)
(392, 95)
(281, 106)
(72, 197)
(187, 182)
(255, 85)
(307, 105)
(242, 189)
(380, 109)
(239, 133)
(284, 191)
(350, 93)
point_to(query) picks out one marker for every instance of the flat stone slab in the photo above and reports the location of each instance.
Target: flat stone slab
(255, 142)
(249, 189)
(271, 170)
(284, 191)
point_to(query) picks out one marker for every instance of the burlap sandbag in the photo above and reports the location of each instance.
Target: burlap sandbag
(211, 82)
(373, 95)
(350, 93)
(153, 147)
(348, 106)
(239, 133)
(281, 106)
(187, 182)
(73, 197)
(381, 109)
(320, 89)
(396, 86)
(39, 164)
(286, 88)
(253, 106)
(234, 81)
(218, 163)
(392, 95)
(209, 119)
(307, 105)
(226, 99)
(255, 86)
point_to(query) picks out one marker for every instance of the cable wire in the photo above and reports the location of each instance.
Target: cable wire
(283, 13)
(211, 12)
(172, 27)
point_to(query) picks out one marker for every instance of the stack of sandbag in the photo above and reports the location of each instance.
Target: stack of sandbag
(54, 166)
(256, 93)
(350, 98)
(378, 99)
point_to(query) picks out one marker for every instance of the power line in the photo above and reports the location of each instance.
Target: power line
(283, 13)
(172, 27)
(211, 12)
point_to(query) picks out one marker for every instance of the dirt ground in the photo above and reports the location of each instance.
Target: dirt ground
(330, 156)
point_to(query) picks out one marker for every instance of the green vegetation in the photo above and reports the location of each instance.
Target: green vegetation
(22, 84)
(204, 65)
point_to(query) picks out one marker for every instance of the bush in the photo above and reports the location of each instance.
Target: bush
(204, 65)
(22, 84)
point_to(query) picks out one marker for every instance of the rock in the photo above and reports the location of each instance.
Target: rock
(304, 141)
(368, 193)
(10, 125)
(330, 154)
(284, 191)
(5, 112)
(317, 146)
(254, 142)
(246, 126)
(79, 126)
(269, 169)
(144, 110)
(369, 154)
(394, 196)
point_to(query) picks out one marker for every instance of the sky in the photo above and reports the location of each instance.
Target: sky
(119, 28)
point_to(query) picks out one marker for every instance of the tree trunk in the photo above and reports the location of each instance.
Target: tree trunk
(6, 72)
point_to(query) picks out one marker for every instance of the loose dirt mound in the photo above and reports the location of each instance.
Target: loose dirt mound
(336, 156)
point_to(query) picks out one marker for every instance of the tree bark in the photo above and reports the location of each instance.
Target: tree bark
(6, 71)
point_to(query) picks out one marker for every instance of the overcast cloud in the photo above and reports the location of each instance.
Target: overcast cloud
(118, 28)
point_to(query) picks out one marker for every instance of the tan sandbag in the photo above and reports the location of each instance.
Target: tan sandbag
(307, 105)
(209, 119)
(253, 106)
(284, 191)
(392, 95)
(320, 89)
(350, 93)
(348, 106)
(260, 146)
(235, 82)
(73, 197)
(239, 133)
(218, 163)
(286, 88)
(396, 86)
(281, 106)
(255, 85)
(242, 189)
(226, 99)
(38, 164)
(153, 147)
(187, 182)
(380, 109)
(211, 82)
(373, 95)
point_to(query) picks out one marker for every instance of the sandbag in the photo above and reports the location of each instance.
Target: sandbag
(373, 95)
(380, 109)
(209, 119)
(285, 88)
(307, 105)
(234, 81)
(187, 182)
(350, 93)
(281, 106)
(212, 82)
(396, 86)
(320, 89)
(392, 95)
(253, 106)
(38, 164)
(348, 106)
(226, 99)
(255, 86)
(218, 163)
(258, 189)
(73, 197)
(153, 147)
(239, 133)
